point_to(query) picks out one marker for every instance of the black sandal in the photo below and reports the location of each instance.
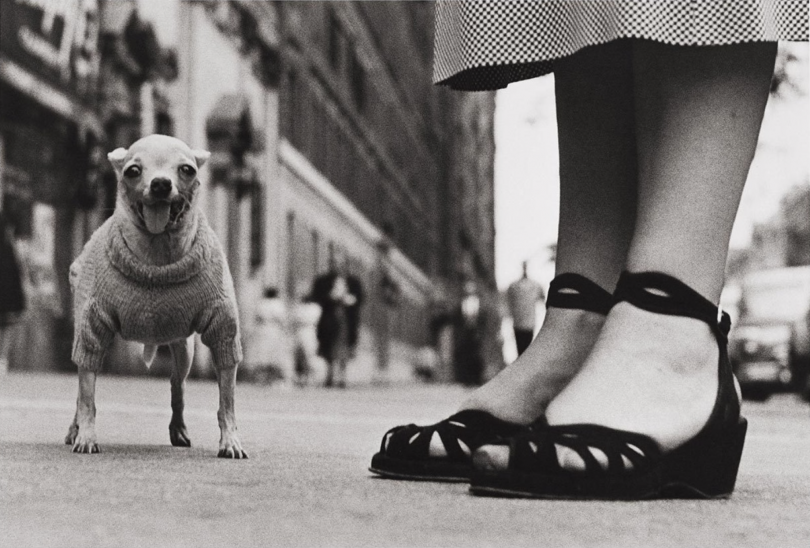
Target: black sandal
(405, 450)
(703, 467)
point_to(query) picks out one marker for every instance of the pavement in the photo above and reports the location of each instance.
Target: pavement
(306, 482)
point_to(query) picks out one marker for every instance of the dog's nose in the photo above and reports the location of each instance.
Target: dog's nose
(161, 187)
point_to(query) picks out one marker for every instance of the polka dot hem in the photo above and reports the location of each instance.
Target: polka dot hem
(487, 44)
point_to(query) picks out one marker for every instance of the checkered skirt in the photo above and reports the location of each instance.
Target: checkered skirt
(487, 44)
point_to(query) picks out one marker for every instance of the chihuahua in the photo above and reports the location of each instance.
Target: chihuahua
(155, 273)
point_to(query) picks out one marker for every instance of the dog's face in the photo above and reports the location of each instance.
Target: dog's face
(157, 180)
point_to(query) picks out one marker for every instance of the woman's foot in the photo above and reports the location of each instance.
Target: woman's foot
(648, 373)
(521, 392)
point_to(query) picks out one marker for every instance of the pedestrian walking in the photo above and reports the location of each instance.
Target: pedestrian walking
(522, 297)
(12, 297)
(468, 353)
(627, 391)
(267, 356)
(339, 295)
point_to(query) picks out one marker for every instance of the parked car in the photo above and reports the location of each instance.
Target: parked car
(800, 361)
(770, 344)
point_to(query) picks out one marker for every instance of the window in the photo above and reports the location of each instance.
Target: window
(358, 83)
(164, 124)
(344, 61)
(291, 288)
(331, 254)
(257, 229)
(316, 252)
(336, 41)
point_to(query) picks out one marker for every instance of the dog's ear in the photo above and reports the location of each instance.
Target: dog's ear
(117, 157)
(200, 156)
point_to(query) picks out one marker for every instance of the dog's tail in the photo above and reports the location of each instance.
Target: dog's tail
(149, 353)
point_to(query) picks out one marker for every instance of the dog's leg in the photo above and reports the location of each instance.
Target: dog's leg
(73, 429)
(85, 420)
(182, 355)
(229, 445)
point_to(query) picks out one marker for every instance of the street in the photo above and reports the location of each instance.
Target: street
(306, 482)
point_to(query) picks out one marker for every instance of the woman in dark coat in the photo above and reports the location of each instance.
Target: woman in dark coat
(339, 296)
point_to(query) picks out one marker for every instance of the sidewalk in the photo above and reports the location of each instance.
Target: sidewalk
(306, 483)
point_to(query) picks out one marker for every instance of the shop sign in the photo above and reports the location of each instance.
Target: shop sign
(55, 39)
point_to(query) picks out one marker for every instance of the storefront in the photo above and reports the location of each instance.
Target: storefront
(49, 134)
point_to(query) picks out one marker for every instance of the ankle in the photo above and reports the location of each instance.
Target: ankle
(687, 345)
(572, 319)
(521, 392)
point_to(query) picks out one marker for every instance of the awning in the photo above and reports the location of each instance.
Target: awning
(49, 96)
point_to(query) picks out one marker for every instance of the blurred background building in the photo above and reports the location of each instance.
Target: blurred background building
(329, 142)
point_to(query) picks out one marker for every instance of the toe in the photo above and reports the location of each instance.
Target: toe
(491, 457)
(436, 448)
(180, 440)
(232, 453)
(86, 448)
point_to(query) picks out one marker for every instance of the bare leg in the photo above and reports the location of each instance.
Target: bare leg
(597, 210)
(698, 115)
(341, 377)
(73, 429)
(229, 444)
(330, 373)
(182, 355)
(83, 429)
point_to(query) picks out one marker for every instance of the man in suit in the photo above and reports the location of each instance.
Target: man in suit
(523, 296)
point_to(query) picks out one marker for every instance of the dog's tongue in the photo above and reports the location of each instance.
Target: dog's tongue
(156, 217)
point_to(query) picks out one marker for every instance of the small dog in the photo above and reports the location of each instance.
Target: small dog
(155, 273)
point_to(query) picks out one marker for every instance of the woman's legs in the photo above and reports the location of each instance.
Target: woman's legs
(597, 209)
(698, 114)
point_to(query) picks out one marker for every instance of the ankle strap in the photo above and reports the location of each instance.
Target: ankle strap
(570, 290)
(663, 294)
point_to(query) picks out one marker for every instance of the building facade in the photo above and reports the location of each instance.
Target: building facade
(328, 143)
(49, 131)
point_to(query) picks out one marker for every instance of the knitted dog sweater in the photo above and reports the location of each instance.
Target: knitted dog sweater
(115, 292)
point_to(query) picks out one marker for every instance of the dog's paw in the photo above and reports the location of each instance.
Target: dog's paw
(232, 453)
(73, 431)
(86, 447)
(231, 450)
(179, 436)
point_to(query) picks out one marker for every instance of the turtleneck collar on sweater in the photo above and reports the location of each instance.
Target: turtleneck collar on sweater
(126, 262)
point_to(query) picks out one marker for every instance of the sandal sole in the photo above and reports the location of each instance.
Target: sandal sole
(435, 470)
(690, 476)
(669, 491)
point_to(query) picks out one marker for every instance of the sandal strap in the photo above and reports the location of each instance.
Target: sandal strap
(472, 428)
(625, 451)
(664, 294)
(571, 290)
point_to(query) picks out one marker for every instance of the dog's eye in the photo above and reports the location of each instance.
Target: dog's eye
(132, 171)
(187, 170)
